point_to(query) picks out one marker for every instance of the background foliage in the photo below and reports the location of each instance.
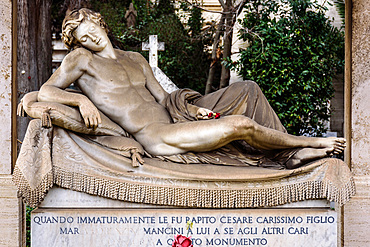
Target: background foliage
(293, 53)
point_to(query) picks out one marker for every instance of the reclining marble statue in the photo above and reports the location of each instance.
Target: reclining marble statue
(122, 86)
(119, 87)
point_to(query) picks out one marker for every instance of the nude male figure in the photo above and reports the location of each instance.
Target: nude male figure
(121, 84)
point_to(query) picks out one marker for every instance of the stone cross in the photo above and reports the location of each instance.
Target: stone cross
(153, 47)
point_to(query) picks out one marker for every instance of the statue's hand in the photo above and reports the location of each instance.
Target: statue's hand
(203, 113)
(90, 114)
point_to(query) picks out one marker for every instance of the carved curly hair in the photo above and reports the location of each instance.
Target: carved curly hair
(73, 20)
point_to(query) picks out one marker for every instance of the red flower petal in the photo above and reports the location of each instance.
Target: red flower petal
(210, 114)
(182, 241)
(186, 243)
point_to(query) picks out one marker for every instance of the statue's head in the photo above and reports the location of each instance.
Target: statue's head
(73, 20)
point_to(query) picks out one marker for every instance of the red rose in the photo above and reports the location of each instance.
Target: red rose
(217, 115)
(210, 114)
(182, 241)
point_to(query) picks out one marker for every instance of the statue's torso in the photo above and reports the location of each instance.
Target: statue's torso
(117, 88)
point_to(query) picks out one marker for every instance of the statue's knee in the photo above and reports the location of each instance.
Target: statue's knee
(247, 83)
(243, 123)
(246, 86)
(252, 85)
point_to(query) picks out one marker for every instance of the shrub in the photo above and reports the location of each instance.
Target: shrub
(293, 53)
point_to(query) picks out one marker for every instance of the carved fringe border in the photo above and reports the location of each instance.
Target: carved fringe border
(184, 196)
(32, 197)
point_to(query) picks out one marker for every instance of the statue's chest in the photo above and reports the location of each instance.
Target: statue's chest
(118, 73)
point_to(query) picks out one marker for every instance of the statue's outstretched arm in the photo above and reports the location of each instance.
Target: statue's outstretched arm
(73, 67)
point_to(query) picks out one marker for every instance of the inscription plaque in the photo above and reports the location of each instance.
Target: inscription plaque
(157, 227)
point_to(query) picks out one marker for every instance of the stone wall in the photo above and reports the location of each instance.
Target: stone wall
(356, 213)
(11, 208)
(5, 86)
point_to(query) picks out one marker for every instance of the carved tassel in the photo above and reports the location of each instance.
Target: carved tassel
(20, 109)
(136, 159)
(46, 119)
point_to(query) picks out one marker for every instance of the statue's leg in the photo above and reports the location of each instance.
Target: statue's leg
(206, 135)
(242, 98)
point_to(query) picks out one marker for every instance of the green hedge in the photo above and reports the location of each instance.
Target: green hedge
(293, 53)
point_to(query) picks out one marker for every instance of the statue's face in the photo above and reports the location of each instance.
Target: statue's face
(91, 36)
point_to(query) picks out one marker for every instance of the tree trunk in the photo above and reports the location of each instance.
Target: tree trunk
(34, 50)
(228, 36)
(212, 68)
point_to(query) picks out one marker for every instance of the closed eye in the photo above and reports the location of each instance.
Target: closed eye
(83, 38)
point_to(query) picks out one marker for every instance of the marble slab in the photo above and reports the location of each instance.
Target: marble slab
(157, 227)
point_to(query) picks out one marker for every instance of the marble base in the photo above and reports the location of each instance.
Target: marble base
(69, 218)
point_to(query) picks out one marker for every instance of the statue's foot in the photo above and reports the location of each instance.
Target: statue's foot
(306, 155)
(335, 145)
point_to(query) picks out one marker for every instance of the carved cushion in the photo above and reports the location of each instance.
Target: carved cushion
(68, 117)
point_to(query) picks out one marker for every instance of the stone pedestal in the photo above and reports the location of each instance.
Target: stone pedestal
(69, 218)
